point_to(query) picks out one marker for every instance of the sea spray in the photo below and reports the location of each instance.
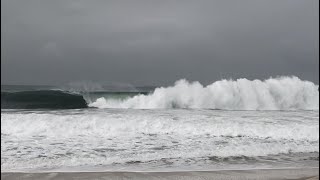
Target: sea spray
(283, 93)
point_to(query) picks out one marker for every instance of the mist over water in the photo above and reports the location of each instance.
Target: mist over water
(283, 93)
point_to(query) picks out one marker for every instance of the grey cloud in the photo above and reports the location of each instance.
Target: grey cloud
(150, 42)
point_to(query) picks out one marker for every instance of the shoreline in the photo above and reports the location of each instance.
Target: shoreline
(261, 174)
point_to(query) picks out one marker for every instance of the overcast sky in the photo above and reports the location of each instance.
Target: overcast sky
(156, 42)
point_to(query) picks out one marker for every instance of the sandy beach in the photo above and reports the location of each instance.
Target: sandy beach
(261, 174)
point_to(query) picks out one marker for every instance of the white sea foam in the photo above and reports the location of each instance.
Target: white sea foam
(134, 124)
(100, 137)
(283, 93)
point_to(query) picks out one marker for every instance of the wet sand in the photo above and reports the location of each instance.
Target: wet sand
(256, 174)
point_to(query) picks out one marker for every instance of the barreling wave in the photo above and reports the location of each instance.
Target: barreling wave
(283, 93)
(42, 99)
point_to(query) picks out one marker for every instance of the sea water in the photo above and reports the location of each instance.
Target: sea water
(227, 125)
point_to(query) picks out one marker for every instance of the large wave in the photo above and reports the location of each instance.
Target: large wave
(38, 99)
(283, 93)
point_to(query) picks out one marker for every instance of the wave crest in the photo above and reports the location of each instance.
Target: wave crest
(283, 93)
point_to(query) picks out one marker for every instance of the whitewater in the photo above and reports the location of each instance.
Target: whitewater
(284, 93)
(229, 124)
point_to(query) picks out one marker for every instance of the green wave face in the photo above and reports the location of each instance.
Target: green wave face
(42, 99)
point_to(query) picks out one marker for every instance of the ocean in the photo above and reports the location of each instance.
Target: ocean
(229, 124)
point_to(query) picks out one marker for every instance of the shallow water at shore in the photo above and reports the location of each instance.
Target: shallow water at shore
(261, 174)
(157, 140)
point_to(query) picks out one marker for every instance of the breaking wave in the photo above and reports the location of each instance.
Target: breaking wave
(283, 93)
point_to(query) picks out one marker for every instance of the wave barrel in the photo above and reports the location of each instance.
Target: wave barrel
(42, 99)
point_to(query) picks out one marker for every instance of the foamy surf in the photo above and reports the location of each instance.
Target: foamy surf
(113, 139)
(284, 93)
